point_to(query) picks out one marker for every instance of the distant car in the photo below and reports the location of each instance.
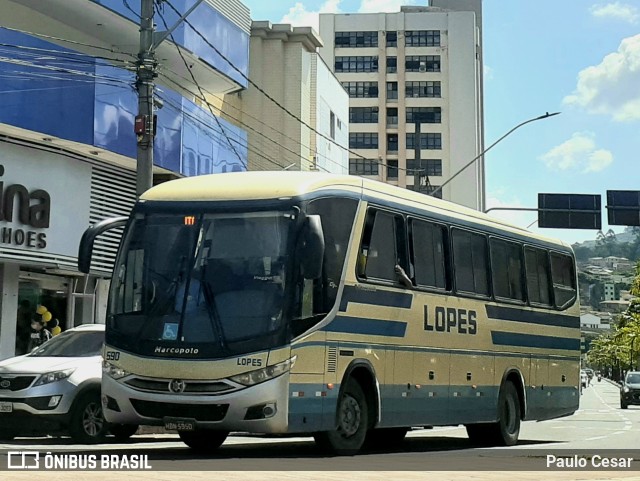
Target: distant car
(584, 379)
(630, 389)
(589, 372)
(56, 388)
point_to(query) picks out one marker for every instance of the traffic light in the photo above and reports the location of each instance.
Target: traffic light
(570, 211)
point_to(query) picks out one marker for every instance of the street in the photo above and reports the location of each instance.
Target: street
(599, 428)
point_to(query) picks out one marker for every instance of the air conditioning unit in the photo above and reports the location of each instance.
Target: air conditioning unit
(423, 67)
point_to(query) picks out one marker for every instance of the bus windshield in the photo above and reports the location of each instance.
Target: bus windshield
(210, 280)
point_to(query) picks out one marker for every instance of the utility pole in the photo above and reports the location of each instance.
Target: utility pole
(146, 72)
(145, 121)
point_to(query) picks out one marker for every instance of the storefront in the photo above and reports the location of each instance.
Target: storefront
(47, 199)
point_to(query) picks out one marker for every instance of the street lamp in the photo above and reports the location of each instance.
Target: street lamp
(541, 117)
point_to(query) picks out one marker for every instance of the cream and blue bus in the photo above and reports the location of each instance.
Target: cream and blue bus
(336, 307)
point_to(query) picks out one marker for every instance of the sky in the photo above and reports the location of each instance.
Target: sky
(577, 57)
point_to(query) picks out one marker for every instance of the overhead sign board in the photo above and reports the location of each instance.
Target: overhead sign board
(623, 207)
(570, 211)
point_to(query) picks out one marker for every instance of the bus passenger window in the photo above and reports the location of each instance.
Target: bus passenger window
(380, 255)
(537, 268)
(470, 261)
(563, 277)
(506, 268)
(428, 248)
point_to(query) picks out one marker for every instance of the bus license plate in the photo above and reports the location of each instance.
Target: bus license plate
(6, 407)
(180, 424)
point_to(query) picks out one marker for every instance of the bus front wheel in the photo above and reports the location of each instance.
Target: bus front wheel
(203, 440)
(352, 423)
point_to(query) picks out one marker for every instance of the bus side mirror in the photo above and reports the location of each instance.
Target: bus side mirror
(88, 238)
(312, 247)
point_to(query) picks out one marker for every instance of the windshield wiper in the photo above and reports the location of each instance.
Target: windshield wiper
(214, 317)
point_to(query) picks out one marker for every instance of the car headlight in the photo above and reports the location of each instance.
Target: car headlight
(54, 376)
(113, 371)
(625, 389)
(261, 375)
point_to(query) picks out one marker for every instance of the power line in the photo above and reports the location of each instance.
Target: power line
(291, 114)
(186, 64)
(72, 42)
(61, 54)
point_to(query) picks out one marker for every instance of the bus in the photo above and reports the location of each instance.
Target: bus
(332, 306)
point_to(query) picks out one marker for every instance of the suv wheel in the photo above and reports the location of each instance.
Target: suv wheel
(87, 424)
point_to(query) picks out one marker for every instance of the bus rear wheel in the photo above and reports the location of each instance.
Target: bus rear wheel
(352, 423)
(203, 440)
(505, 431)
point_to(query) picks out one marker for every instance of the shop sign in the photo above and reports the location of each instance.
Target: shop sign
(29, 208)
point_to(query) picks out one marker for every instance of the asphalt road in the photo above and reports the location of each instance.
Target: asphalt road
(600, 429)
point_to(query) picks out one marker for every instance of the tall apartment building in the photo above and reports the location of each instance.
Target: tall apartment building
(415, 73)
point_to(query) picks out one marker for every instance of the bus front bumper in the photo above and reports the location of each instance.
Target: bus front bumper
(261, 408)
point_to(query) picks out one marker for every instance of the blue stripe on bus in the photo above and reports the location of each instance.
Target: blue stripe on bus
(436, 350)
(532, 340)
(362, 325)
(517, 314)
(376, 297)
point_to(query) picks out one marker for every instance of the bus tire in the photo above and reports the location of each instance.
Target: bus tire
(203, 440)
(505, 431)
(385, 437)
(352, 423)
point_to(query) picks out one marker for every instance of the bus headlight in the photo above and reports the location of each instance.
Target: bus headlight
(113, 371)
(261, 375)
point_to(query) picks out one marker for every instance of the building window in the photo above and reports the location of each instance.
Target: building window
(422, 38)
(356, 39)
(431, 167)
(422, 63)
(363, 140)
(356, 64)
(428, 141)
(392, 142)
(363, 115)
(392, 116)
(392, 169)
(392, 39)
(392, 90)
(332, 125)
(392, 64)
(422, 89)
(425, 115)
(363, 167)
(362, 90)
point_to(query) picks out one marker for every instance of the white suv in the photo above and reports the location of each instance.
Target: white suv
(57, 387)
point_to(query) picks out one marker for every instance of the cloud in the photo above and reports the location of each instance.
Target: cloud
(617, 11)
(375, 6)
(578, 153)
(488, 72)
(611, 87)
(299, 16)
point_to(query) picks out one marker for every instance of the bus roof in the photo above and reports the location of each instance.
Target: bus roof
(265, 185)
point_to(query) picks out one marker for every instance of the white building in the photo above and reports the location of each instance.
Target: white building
(609, 291)
(284, 63)
(422, 63)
